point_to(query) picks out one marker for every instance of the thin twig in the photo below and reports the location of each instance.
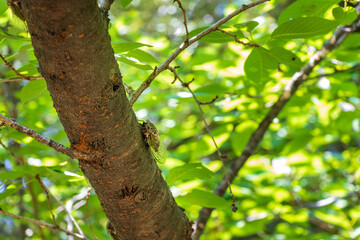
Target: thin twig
(41, 223)
(88, 213)
(336, 71)
(128, 89)
(51, 143)
(163, 66)
(65, 209)
(209, 102)
(12, 68)
(185, 23)
(221, 156)
(237, 40)
(47, 191)
(47, 197)
(21, 79)
(288, 91)
(20, 161)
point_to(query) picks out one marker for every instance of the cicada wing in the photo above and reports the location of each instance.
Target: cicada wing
(160, 155)
(155, 142)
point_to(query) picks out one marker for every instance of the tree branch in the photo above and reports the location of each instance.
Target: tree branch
(47, 198)
(288, 91)
(21, 79)
(163, 66)
(51, 143)
(221, 156)
(40, 223)
(185, 23)
(18, 160)
(48, 193)
(88, 213)
(237, 40)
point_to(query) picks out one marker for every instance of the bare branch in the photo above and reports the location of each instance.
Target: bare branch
(185, 23)
(163, 66)
(221, 156)
(19, 160)
(336, 71)
(57, 146)
(43, 224)
(47, 197)
(237, 40)
(209, 102)
(88, 213)
(62, 205)
(288, 91)
(21, 79)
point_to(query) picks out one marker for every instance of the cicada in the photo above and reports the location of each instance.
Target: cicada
(152, 138)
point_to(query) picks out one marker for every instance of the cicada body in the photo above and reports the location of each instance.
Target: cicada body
(152, 138)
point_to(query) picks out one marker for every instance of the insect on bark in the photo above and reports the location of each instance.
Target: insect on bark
(152, 138)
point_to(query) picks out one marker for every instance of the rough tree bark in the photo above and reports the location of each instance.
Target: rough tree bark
(72, 44)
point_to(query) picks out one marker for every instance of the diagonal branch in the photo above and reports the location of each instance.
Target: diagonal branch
(48, 199)
(88, 213)
(51, 143)
(40, 223)
(21, 79)
(48, 193)
(288, 91)
(221, 156)
(163, 66)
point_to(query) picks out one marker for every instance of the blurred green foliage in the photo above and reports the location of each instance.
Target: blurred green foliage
(303, 181)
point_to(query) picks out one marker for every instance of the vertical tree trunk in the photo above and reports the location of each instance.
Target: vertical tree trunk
(72, 45)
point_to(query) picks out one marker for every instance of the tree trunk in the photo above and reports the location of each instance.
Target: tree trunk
(72, 44)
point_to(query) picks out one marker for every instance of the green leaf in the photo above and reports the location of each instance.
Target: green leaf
(27, 70)
(303, 28)
(344, 16)
(6, 175)
(10, 190)
(125, 3)
(247, 26)
(347, 55)
(120, 47)
(33, 90)
(352, 41)
(141, 56)
(23, 170)
(335, 219)
(189, 171)
(286, 57)
(126, 60)
(299, 141)
(203, 147)
(204, 199)
(259, 64)
(213, 37)
(4, 34)
(241, 136)
(3, 7)
(306, 8)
